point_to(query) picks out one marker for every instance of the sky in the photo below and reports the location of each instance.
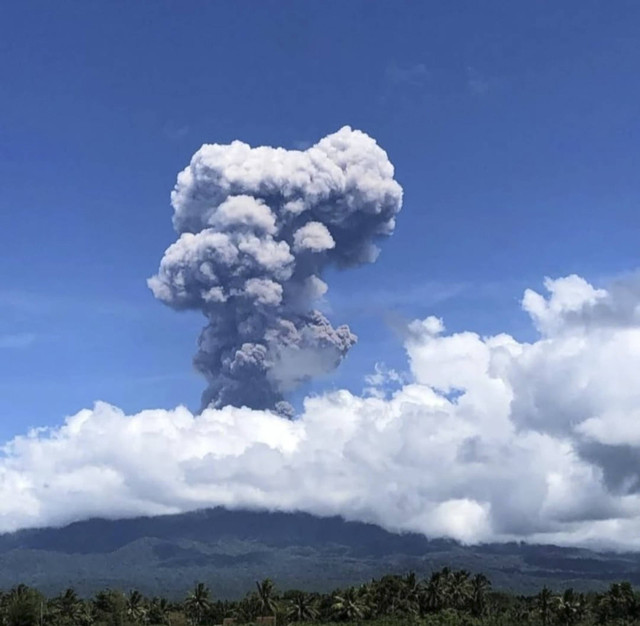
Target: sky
(512, 128)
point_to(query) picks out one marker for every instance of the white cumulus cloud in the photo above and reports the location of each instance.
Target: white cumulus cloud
(488, 439)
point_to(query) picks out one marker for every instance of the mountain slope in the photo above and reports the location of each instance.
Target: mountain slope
(231, 549)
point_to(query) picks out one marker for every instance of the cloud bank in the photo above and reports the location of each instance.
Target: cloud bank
(488, 439)
(257, 227)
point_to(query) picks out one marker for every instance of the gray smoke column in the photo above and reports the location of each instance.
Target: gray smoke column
(257, 227)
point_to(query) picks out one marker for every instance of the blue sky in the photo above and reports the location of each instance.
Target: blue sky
(513, 128)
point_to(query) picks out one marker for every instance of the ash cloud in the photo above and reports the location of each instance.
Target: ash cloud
(257, 227)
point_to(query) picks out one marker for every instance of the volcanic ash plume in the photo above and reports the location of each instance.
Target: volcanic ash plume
(256, 227)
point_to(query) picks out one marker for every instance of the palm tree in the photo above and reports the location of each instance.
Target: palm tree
(267, 597)
(85, 616)
(544, 600)
(348, 606)
(568, 607)
(617, 603)
(136, 611)
(197, 603)
(459, 589)
(24, 607)
(64, 606)
(69, 608)
(410, 595)
(435, 592)
(247, 609)
(480, 585)
(302, 608)
(159, 611)
(392, 595)
(109, 606)
(382, 596)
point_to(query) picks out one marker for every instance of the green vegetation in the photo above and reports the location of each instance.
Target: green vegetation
(446, 598)
(230, 550)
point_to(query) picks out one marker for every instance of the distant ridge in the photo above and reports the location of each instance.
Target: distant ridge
(231, 549)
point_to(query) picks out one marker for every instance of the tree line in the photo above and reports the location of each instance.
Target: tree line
(446, 598)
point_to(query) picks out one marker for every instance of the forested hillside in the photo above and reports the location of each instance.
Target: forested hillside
(232, 549)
